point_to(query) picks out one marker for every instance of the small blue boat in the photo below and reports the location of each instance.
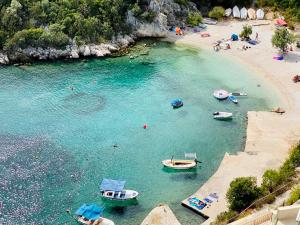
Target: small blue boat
(177, 103)
(233, 99)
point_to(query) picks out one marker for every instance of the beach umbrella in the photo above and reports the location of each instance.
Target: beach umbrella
(244, 13)
(236, 12)
(251, 14)
(260, 14)
(228, 12)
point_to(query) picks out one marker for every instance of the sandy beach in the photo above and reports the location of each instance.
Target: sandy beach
(269, 135)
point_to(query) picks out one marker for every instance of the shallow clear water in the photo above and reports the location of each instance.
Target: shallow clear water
(60, 122)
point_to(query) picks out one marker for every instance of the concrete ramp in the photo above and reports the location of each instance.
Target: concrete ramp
(161, 215)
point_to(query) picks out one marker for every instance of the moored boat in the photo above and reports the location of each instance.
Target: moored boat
(221, 94)
(91, 215)
(177, 103)
(114, 190)
(182, 164)
(222, 115)
(238, 94)
(233, 99)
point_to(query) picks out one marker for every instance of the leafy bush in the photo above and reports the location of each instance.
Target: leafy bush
(37, 38)
(194, 18)
(294, 196)
(242, 192)
(217, 12)
(181, 2)
(24, 38)
(246, 32)
(148, 16)
(224, 217)
(282, 38)
(3, 37)
(271, 179)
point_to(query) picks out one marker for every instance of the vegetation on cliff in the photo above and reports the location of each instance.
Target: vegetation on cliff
(52, 23)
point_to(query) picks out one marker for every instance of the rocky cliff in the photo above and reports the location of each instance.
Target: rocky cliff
(168, 13)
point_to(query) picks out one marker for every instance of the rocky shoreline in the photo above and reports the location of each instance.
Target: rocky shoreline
(165, 10)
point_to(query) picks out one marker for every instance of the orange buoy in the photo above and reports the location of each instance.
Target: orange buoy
(145, 126)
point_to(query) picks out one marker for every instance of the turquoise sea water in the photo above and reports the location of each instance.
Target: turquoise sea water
(60, 124)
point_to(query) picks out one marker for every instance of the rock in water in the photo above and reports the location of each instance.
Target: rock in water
(251, 14)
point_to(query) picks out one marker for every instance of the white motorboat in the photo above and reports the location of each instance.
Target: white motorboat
(238, 94)
(222, 115)
(120, 195)
(114, 190)
(221, 94)
(182, 164)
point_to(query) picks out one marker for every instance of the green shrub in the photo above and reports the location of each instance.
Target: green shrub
(294, 196)
(148, 16)
(194, 18)
(242, 192)
(136, 10)
(217, 12)
(3, 37)
(224, 217)
(24, 38)
(53, 39)
(181, 2)
(271, 179)
(246, 32)
(282, 38)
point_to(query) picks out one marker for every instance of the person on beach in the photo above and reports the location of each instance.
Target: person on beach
(256, 37)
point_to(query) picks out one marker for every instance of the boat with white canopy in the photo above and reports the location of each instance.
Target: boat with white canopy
(221, 94)
(114, 190)
(91, 214)
(189, 162)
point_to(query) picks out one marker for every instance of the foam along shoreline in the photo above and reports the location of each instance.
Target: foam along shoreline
(269, 135)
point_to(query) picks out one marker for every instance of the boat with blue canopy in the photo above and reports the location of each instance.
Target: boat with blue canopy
(92, 214)
(177, 103)
(114, 190)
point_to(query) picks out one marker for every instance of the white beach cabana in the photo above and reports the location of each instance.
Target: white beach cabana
(244, 13)
(251, 14)
(228, 12)
(260, 14)
(236, 12)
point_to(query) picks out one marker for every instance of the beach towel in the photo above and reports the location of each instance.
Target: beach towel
(196, 202)
(278, 57)
(214, 195)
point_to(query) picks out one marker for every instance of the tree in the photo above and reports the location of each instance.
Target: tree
(242, 192)
(271, 179)
(282, 38)
(194, 18)
(246, 32)
(217, 12)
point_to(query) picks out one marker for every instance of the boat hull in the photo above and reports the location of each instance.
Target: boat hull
(101, 221)
(179, 164)
(222, 116)
(120, 196)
